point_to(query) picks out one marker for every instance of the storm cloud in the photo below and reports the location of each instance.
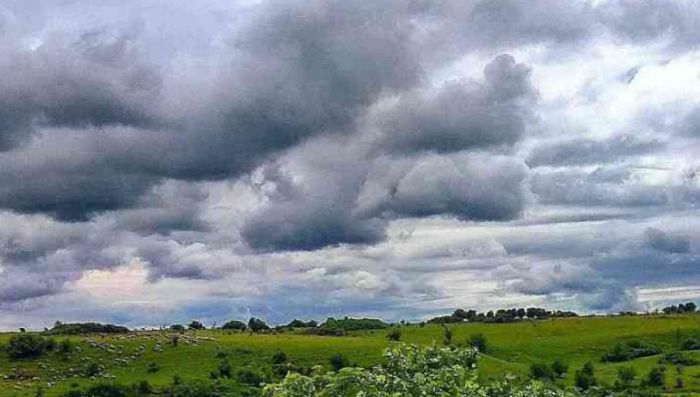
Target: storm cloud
(391, 158)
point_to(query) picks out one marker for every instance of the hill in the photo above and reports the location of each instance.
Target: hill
(158, 356)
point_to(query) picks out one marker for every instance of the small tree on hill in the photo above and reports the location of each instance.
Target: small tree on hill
(256, 325)
(196, 325)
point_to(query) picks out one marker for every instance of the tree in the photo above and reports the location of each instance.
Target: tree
(521, 312)
(196, 325)
(177, 328)
(256, 325)
(234, 325)
(690, 307)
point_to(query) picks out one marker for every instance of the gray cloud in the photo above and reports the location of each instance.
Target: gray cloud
(587, 151)
(462, 115)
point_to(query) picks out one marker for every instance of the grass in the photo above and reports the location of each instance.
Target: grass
(511, 349)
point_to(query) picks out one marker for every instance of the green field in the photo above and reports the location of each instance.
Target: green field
(511, 349)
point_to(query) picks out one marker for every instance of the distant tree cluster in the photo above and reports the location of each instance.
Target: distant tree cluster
(630, 351)
(500, 316)
(689, 307)
(60, 328)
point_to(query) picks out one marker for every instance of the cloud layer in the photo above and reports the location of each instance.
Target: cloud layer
(396, 159)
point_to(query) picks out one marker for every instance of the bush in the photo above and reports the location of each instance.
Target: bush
(477, 341)
(152, 367)
(28, 346)
(446, 336)
(691, 344)
(66, 346)
(630, 351)
(585, 377)
(625, 378)
(224, 369)
(541, 371)
(279, 358)
(177, 328)
(559, 368)
(656, 377)
(394, 335)
(249, 377)
(408, 371)
(677, 358)
(145, 387)
(338, 362)
(100, 390)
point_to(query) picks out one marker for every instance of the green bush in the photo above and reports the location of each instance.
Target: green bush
(26, 345)
(394, 335)
(559, 368)
(656, 377)
(477, 341)
(625, 378)
(279, 358)
(585, 377)
(630, 351)
(691, 344)
(338, 362)
(677, 358)
(541, 371)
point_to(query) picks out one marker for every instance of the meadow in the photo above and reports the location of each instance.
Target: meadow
(511, 348)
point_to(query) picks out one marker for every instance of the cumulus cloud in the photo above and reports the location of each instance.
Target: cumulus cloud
(376, 156)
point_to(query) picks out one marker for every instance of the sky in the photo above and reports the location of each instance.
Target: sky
(163, 161)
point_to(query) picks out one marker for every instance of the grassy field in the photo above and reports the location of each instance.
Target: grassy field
(511, 349)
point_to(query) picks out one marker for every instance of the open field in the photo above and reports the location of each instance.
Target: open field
(511, 349)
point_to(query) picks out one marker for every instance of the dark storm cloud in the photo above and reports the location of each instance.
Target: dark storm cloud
(468, 186)
(91, 81)
(463, 115)
(587, 151)
(317, 211)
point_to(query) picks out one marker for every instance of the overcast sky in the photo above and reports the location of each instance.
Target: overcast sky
(169, 160)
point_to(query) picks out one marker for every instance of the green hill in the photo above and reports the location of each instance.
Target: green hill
(511, 348)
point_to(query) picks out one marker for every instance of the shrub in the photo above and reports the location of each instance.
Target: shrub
(691, 344)
(394, 335)
(27, 346)
(677, 358)
(477, 341)
(279, 357)
(338, 362)
(249, 377)
(656, 377)
(446, 336)
(177, 328)
(66, 346)
(408, 371)
(541, 371)
(630, 351)
(92, 369)
(224, 369)
(145, 387)
(559, 368)
(625, 378)
(585, 377)
(100, 390)
(152, 367)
